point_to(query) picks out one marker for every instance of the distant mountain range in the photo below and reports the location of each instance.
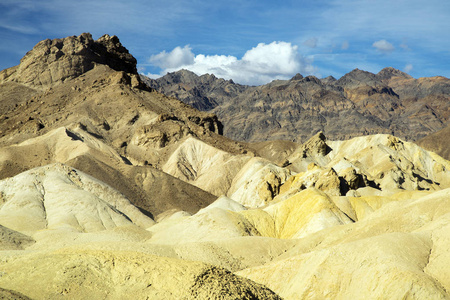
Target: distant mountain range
(359, 103)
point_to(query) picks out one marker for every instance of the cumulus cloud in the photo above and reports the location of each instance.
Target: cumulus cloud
(383, 46)
(174, 59)
(259, 65)
(408, 68)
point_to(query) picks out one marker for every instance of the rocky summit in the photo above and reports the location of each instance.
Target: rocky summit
(359, 103)
(111, 189)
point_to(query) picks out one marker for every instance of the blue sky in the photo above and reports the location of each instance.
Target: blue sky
(251, 42)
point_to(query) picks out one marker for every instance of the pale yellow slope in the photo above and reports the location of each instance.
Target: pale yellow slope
(210, 225)
(93, 274)
(302, 214)
(382, 162)
(59, 145)
(257, 183)
(393, 163)
(204, 166)
(57, 196)
(306, 212)
(399, 251)
(389, 266)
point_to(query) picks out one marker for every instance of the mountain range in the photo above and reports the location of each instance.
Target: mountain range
(359, 103)
(110, 189)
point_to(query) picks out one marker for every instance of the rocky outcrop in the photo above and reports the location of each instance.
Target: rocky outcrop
(315, 146)
(52, 62)
(257, 183)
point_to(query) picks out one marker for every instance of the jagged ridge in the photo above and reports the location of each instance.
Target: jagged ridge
(359, 103)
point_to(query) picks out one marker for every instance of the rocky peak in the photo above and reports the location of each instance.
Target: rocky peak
(358, 77)
(313, 79)
(112, 53)
(297, 76)
(210, 77)
(51, 62)
(328, 80)
(389, 72)
(182, 76)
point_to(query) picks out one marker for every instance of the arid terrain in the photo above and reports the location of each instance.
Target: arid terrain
(359, 103)
(112, 188)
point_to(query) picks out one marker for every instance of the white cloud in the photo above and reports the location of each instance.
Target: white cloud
(383, 46)
(174, 59)
(408, 68)
(259, 65)
(274, 58)
(312, 42)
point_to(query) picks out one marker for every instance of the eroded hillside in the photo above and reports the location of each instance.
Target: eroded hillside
(110, 189)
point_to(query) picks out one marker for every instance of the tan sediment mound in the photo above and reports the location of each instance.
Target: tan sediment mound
(257, 183)
(59, 145)
(57, 196)
(225, 203)
(360, 207)
(204, 166)
(392, 253)
(300, 215)
(437, 142)
(234, 254)
(8, 294)
(207, 225)
(122, 275)
(394, 163)
(76, 147)
(13, 240)
(306, 212)
(275, 151)
(383, 162)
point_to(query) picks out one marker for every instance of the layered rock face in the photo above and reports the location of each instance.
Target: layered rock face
(359, 103)
(53, 61)
(201, 92)
(109, 189)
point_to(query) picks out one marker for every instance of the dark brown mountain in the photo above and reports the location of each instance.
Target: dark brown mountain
(359, 103)
(201, 92)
